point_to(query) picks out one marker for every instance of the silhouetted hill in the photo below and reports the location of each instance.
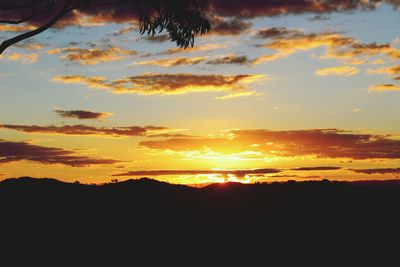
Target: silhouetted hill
(292, 223)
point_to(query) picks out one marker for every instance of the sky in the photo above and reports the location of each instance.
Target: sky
(267, 95)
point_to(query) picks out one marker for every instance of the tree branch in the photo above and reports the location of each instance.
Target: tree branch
(7, 43)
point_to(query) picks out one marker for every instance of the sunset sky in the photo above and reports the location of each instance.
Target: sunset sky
(272, 93)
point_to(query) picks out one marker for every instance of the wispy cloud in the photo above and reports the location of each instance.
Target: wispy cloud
(166, 84)
(338, 71)
(11, 151)
(92, 56)
(90, 130)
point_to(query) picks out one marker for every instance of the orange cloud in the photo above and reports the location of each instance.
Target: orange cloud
(288, 41)
(384, 87)
(237, 173)
(394, 70)
(89, 130)
(91, 82)
(23, 58)
(320, 143)
(170, 62)
(166, 84)
(16, 28)
(382, 171)
(338, 71)
(92, 56)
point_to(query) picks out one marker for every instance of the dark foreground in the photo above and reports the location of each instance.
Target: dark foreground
(282, 224)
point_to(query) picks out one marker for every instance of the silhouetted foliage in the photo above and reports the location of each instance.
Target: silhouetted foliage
(182, 19)
(328, 223)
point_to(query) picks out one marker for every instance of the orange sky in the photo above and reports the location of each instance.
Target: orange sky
(311, 94)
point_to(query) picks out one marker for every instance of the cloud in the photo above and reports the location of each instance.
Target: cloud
(125, 12)
(318, 143)
(91, 82)
(295, 176)
(345, 49)
(16, 151)
(197, 48)
(237, 173)
(270, 8)
(381, 171)
(230, 59)
(156, 38)
(23, 58)
(230, 27)
(358, 53)
(384, 87)
(16, 28)
(82, 114)
(239, 94)
(170, 62)
(166, 84)
(393, 70)
(126, 29)
(338, 71)
(319, 168)
(92, 56)
(319, 18)
(276, 33)
(89, 130)
(29, 45)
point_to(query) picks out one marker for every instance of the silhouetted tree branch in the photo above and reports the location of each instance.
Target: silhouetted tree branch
(182, 19)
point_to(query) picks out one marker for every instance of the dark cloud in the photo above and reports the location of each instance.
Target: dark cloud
(156, 38)
(87, 130)
(382, 171)
(291, 176)
(124, 11)
(322, 168)
(81, 114)
(220, 26)
(181, 61)
(17, 151)
(237, 60)
(320, 143)
(237, 173)
(259, 8)
(276, 32)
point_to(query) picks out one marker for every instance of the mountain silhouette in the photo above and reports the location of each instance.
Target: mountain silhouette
(48, 221)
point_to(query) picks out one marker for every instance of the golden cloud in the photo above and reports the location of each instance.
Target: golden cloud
(346, 49)
(23, 58)
(384, 87)
(319, 143)
(170, 62)
(166, 84)
(92, 56)
(338, 71)
(394, 70)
